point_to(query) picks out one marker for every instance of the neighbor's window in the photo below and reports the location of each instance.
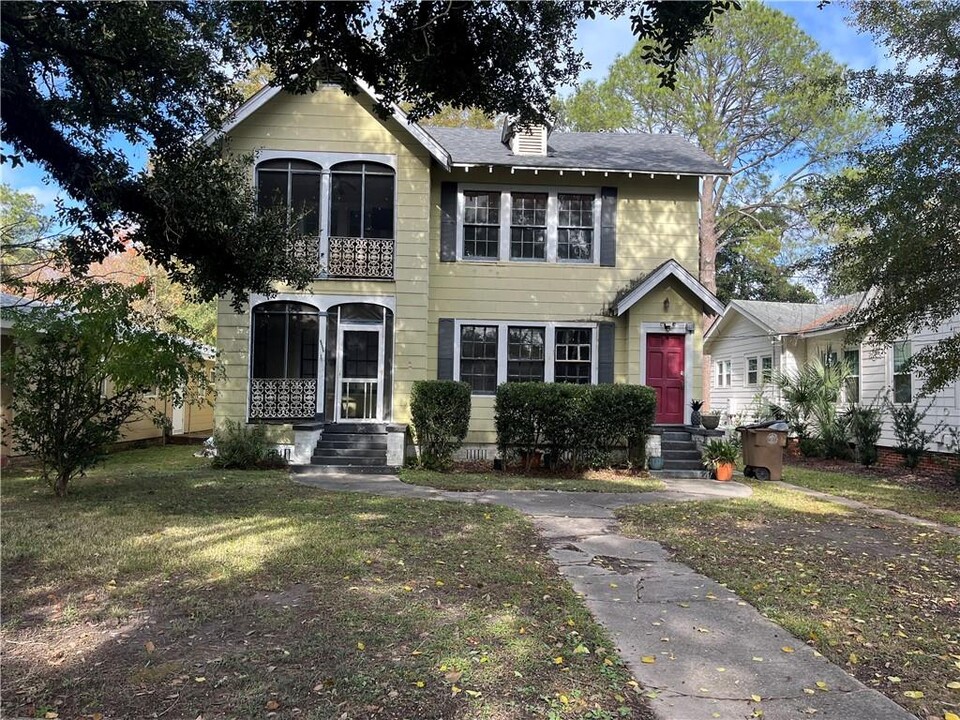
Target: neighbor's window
(902, 378)
(851, 386)
(481, 225)
(478, 358)
(295, 185)
(361, 200)
(572, 356)
(575, 227)
(722, 373)
(753, 372)
(766, 369)
(528, 226)
(525, 354)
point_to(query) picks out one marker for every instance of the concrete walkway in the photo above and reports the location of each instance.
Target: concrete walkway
(863, 507)
(699, 650)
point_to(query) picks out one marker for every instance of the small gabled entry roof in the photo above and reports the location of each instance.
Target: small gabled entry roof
(268, 92)
(671, 268)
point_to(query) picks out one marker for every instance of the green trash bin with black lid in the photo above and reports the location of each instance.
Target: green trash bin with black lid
(763, 445)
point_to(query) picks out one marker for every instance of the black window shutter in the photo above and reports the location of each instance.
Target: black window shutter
(445, 349)
(605, 352)
(608, 227)
(448, 221)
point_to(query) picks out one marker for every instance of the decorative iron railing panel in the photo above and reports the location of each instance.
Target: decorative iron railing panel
(369, 258)
(305, 249)
(283, 398)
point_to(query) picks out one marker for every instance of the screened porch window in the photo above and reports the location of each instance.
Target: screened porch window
(295, 185)
(286, 341)
(362, 200)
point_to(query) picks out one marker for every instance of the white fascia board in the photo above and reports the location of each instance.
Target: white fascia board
(268, 92)
(671, 267)
(572, 169)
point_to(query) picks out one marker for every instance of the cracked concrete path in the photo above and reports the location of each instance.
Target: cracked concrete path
(712, 653)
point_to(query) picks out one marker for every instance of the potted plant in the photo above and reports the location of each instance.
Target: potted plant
(695, 416)
(710, 420)
(721, 457)
(655, 462)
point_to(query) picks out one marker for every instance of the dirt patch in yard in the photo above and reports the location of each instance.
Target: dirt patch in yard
(900, 475)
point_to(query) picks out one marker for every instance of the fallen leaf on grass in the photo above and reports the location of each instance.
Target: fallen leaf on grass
(648, 659)
(950, 716)
(913, 694)
(454, 691)
(822, 685)
(361, 646)
(954, 685)
(149, 646)
(581, 649)
(558, 660)
(272, 705)
(756, 698)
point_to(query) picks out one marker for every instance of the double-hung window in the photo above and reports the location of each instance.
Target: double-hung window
(481, 224)
(525, 354)
(573, 353)
(851, 386)
(759, 369)
(528, 224)
(478, 357)
(902, 377)
(753, 370)
(491, 353)
(722, 376)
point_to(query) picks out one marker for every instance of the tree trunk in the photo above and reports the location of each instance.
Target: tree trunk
(60, 484)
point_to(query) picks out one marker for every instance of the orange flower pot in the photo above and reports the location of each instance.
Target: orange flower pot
(724, 472)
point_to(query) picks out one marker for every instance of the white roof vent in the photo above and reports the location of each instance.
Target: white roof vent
(530, 139)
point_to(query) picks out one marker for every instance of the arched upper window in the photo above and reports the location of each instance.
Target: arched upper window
(362, 200)
(294, 184)
(286, 340)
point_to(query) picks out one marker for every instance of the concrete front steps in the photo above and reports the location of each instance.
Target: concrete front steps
(681, 459)
(351, 448)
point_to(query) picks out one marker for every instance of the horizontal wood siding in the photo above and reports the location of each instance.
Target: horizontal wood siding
(656, 221)
(330, 121)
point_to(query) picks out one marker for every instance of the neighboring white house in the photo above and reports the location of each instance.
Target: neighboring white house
(752, 338)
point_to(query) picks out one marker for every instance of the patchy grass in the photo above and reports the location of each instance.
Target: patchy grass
(163, 586)
(939, 505)
(588, 481)
(876, 597)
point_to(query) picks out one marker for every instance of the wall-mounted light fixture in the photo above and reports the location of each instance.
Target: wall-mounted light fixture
(668, 326)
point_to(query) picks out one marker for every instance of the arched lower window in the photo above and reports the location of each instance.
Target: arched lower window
(361, 200)
(295, 185)
(286, 340)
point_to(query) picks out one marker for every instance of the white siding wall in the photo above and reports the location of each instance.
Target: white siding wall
(877, 383)
(739, 340)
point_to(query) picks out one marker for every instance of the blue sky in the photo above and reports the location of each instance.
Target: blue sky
(601, 41)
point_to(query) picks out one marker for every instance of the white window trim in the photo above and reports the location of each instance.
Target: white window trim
(746, 369)
(858, 374)
(550, 344)
(894, 373)
(553, 220)
(719, 376)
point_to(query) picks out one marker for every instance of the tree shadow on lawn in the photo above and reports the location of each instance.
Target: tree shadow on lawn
(185, 590)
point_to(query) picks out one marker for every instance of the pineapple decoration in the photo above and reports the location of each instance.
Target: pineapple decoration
(695, 416)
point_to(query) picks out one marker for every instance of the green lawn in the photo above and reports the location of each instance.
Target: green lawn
(935, 504)
(164, 586)
(877, 597)
(589, 481)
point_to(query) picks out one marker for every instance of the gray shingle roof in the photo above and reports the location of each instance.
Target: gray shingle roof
(636, 152)
(786, 318)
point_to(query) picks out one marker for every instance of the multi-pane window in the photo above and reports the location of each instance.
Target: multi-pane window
(525, 354)
(902, 378)
(572, 355)
(753, 372)
(766, 369)
(528, 226)
(481, 225)
(361, 200)
(575, 227)
(478, 357)
(851, 386)
(294, 185)
(723, 374)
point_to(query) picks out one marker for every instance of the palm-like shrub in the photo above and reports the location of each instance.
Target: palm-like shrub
(810, 396)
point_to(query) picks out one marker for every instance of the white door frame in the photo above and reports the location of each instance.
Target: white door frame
(361, 327)
(673, 328)
(178, 416)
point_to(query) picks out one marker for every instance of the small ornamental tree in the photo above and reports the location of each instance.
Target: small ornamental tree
(80, 369)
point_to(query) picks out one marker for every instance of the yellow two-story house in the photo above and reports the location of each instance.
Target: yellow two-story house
(485, 256)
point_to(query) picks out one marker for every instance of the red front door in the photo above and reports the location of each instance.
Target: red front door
(665, 376)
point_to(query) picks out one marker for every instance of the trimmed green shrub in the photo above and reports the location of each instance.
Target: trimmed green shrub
(864, 425)
(242, 447)
(574, 425)
(440, 410)
(912, 441)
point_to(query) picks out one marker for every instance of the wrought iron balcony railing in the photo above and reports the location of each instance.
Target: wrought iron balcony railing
(368, 258)
(283, 398)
